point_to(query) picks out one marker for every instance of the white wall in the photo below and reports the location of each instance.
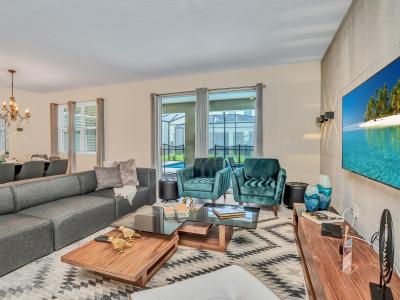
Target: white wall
(367, 40)
(292, 102)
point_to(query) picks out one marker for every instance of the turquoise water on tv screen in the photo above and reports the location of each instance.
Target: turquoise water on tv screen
(374, 152)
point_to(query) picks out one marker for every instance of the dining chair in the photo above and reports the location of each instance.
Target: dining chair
(31, 169)
(7, 172)
(57, 167)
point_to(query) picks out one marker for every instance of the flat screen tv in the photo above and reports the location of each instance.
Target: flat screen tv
(371, 127)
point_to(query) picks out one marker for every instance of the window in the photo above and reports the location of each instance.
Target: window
(177, 131)
(231, 124)
(2, 136)
(85, 127)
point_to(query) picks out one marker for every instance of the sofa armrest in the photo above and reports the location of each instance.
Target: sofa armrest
(183, 176)
(280, 185)
(147, 177)
(221, 184)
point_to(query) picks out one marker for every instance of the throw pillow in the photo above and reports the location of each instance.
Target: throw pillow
(108, 177)
(128, 170)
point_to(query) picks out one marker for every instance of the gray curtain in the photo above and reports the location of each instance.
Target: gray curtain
(71, 137)
(53, 129)
(259, 151)
(156, 134)
(201, 140)
(100, 146)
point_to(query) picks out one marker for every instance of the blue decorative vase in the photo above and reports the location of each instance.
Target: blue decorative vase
(311, 198)
(325, 192)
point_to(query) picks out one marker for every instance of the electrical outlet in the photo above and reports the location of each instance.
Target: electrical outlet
(356, 210)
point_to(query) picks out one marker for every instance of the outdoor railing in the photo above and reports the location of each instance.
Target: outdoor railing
(238, 152)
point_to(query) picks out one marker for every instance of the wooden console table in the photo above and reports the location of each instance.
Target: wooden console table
(321, 263)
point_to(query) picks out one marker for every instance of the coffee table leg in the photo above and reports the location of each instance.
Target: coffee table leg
(224, 236)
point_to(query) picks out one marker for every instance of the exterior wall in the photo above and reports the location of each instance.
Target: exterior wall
(367, 40)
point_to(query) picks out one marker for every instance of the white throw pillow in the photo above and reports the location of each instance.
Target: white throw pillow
(127, 168)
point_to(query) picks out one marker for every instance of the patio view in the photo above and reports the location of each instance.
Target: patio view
(231, 124)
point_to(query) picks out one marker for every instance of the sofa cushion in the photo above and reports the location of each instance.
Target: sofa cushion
(259, 187)
(23, 239)
(75, 217)
(35, 193)
(108, 177)
(88, 181)
(207, 167)
(122, 205)
(6, 201)
(204, 184)
(261, 168)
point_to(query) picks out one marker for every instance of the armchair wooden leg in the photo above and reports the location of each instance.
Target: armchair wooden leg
(275, 210)
(224, 196)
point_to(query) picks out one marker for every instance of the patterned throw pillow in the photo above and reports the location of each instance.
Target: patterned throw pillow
(108, 177)
(128, 170)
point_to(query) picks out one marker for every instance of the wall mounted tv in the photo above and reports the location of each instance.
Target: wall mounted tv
(371, 127)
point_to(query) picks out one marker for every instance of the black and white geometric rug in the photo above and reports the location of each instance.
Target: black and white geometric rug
(269, 252)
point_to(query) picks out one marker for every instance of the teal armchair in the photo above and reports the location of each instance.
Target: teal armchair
(260, 181)
(207, 179)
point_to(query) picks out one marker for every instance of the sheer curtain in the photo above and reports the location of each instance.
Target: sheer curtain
(53, 129)
(156, 133)
(201, 141)
(259, 148)
(100, 145)
(71, 137)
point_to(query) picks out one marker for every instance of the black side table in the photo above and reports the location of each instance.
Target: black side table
(168, 189)
(294, 193)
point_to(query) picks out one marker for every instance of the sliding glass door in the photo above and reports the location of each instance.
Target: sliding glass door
(231, 126)
(213, 123)
(178, 132)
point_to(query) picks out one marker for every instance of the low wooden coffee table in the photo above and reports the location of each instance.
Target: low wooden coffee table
(136, 266)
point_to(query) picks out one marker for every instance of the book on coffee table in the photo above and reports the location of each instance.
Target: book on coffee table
(229, 212)
(182, 211)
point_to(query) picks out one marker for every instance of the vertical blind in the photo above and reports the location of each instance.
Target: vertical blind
(85, 127)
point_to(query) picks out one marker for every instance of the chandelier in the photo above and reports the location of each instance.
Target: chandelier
(11, 113)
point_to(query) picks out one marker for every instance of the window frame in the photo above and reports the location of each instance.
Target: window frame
(82, 129)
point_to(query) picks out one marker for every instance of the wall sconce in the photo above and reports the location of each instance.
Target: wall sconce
(329, 115)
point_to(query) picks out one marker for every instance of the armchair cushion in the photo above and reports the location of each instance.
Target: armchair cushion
(259, 187)
(208, 167)
(204, 184)
(261, 168)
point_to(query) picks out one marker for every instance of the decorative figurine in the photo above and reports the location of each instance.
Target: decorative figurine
(129, 234)
(184, 200)
(191, 203)
(119, 244)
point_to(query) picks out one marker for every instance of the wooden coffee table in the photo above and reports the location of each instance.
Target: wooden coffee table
(136, 266)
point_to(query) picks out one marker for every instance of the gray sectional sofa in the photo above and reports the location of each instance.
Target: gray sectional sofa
(40, 216)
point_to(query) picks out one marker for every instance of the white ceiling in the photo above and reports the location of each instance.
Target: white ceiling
(65, 44)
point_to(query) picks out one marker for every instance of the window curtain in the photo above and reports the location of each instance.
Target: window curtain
(259, 151)
(201, 141)
(156, 133)
(71, 137)
(53, 129)
(100, 147)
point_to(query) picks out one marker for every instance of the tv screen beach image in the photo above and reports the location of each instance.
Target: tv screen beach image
(371, 127)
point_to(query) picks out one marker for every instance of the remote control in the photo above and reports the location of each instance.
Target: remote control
(102, 238)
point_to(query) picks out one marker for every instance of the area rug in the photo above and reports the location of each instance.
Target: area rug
(268, 252)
